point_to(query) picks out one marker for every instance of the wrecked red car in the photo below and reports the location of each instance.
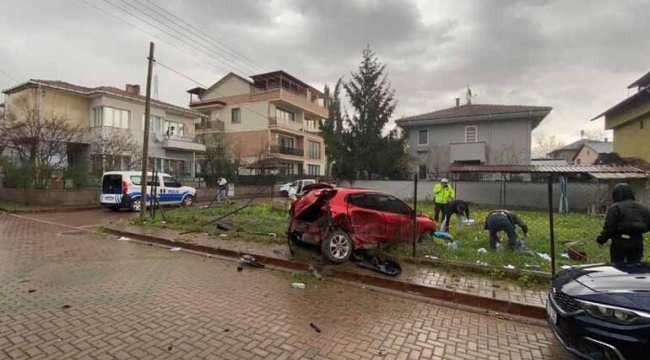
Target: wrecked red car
(342, 220)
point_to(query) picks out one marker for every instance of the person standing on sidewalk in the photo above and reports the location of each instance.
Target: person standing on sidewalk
(625, 223)
(443, 194)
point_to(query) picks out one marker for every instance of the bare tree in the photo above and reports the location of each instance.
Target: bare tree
(505, 155)
(545, 144)
(114, 149)
(437, 160)
(222, 156)
(40, 140)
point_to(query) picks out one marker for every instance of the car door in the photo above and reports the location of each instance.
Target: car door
(170, 192)
(153, 183)
(366, 219)
(398, 220)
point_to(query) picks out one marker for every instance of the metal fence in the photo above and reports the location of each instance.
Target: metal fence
(562, 216)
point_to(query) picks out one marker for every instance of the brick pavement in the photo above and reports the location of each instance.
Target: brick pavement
(128, 300)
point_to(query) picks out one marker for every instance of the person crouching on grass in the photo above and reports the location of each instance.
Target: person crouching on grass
(504, 220)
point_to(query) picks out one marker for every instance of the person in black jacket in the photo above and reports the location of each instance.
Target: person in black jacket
(460, 208)
(625, 223)
(504, 220)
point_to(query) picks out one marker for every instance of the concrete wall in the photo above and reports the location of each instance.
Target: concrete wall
(30, 197)
(232, 85)
(586, 156)
(632, 141)
(518, 194)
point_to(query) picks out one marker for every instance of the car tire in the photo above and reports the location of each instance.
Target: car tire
(135, 205)
(284, 193)
(337, 247)
(188, 201)
(426, 235)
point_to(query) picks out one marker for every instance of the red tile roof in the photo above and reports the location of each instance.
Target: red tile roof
(476, 110)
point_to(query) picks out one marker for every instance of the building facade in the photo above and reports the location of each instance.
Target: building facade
(590, 152)
(629, 120)
(273, 120)
(110, 115)
(471, 134)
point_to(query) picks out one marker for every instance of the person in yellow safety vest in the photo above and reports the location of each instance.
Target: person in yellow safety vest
(443, 194)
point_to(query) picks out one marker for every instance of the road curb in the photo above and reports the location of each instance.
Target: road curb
(496, 305)
(46, 211)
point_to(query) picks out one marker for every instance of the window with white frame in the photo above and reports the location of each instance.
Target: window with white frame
(108, 116)
(423, 137)
(174, 129)
(284, 115)
(313, 170)
(313, 149)
(156, 124)
(471, 134)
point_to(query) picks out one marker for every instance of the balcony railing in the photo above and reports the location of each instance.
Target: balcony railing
(277, 149)
(279, 122)
(217, 125)
(183, 143)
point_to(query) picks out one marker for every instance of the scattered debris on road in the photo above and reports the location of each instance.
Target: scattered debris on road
(250, 261)
(175, 249)
(123, 238)
(313, 326)
(31, 291)
(65, 307)
(300, 286)
(386, 267)
(546, 257)
(509, 267)
(383, 352)
(240, 268)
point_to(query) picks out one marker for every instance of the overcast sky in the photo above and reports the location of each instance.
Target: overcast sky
(575, 56)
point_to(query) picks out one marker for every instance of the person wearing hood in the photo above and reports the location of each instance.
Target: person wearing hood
(625, 223)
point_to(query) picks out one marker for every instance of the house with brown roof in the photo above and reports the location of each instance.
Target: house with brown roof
(471, 134)
(273, 120)
(106, 111)
(627, 120)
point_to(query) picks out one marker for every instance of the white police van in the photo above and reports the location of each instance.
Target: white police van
(121, 189)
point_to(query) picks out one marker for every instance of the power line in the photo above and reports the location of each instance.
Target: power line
(150, 34)
(214, 40)
(202, 48)
(9, 76)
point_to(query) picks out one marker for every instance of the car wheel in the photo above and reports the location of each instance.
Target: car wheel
(337, 247)
(135, 205)
(284, 193)
(426, 236)
(188, 200)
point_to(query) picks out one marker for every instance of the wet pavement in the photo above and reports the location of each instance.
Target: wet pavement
(70, 294)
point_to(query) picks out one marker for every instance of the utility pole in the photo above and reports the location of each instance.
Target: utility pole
(145, 143)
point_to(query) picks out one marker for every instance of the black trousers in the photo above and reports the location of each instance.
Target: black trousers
(626, 250)
(441, 208)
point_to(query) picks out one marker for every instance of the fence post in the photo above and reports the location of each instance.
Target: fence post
(550, 220)
(415, 212)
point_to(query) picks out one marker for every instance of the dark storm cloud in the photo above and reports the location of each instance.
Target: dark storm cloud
(575, 56)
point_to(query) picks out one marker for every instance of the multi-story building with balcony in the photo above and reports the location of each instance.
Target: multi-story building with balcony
(274, 119)
(108, 111)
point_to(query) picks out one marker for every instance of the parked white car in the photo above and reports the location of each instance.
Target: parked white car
(295, 186)
(122, 189)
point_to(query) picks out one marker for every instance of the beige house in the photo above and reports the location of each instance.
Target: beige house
(590, 150)
(273, 118)
(108, 111)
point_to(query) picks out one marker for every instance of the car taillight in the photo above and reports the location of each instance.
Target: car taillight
(125, 188)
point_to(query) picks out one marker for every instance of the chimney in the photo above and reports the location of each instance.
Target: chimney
(457, 102)
(133, 89)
